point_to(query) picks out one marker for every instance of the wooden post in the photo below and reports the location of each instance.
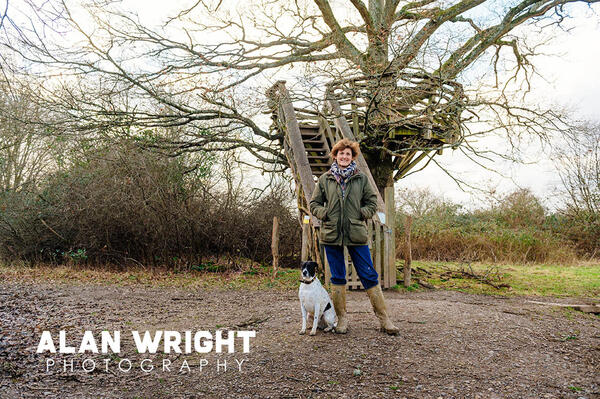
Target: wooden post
(390, 219)
(275, 245)
(305, 239)
(408, 253)
(385, 256)
(326, 267)
(377, 249)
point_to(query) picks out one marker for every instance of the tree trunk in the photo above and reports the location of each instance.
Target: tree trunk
(382, 168)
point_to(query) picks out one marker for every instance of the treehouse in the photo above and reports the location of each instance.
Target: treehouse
(409, 117)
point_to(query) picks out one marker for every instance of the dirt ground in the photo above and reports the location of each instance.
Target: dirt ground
(451, 345)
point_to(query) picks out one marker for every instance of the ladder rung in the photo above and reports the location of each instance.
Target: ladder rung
(312, 135)
(307, 141)
(307, 126)
(315, 149)
(319, 144)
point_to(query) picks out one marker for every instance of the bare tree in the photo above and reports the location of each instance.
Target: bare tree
(579, 168)
(26, 151)
(420, 202)
(401, 64)
(578, 165)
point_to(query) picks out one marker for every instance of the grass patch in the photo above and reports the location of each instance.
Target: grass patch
(255, 277)
(578, 280)
(533, 280)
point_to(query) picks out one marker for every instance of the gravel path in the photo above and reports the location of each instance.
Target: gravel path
(452, 345)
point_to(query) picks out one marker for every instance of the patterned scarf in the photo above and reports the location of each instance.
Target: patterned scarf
(342, 175)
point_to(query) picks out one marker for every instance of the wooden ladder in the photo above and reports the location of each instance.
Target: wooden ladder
(308, 138)
(317, 148)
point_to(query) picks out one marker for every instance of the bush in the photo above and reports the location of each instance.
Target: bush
(581, 228)
(516, 229)
(129, 206)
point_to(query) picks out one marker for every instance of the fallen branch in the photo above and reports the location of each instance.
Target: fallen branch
(594, 308)
(424, 284)
(488, 277)
(491, 276)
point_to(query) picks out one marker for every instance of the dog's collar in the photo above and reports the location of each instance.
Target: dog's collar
(307, 281)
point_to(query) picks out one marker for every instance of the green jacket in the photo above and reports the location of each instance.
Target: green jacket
(343, 221)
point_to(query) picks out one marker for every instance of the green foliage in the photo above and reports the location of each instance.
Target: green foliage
(209, 267)
(579, 280)
(76, 255)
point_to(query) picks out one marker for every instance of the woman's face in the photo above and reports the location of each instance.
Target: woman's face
(344, 157)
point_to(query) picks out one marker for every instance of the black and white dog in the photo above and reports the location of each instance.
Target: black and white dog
(315, 300)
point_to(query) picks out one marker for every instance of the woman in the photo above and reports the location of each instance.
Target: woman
(343, 200)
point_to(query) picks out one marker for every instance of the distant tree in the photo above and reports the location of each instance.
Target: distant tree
(579, 170)
(578, 165)
(418, 202)
(26, 151)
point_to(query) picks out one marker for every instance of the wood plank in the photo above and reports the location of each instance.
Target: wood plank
(326, 267)
(299, 153)
(305, 242)
(376, 264)
(378, 256)
(275, 246)
(322, 130)
(408, 252)
(355, 125)
(329, 134)
(390, 218)
(308, 141)
(403, 170)
(385, 260)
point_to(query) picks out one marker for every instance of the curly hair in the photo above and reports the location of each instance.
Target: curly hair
(342, 145)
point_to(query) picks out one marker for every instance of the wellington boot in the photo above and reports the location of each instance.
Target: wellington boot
(338, 293)
(378, 303)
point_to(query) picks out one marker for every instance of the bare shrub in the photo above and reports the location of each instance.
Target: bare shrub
(129, 206)
(513, 230)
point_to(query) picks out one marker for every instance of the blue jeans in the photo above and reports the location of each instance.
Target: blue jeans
(361, 258)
